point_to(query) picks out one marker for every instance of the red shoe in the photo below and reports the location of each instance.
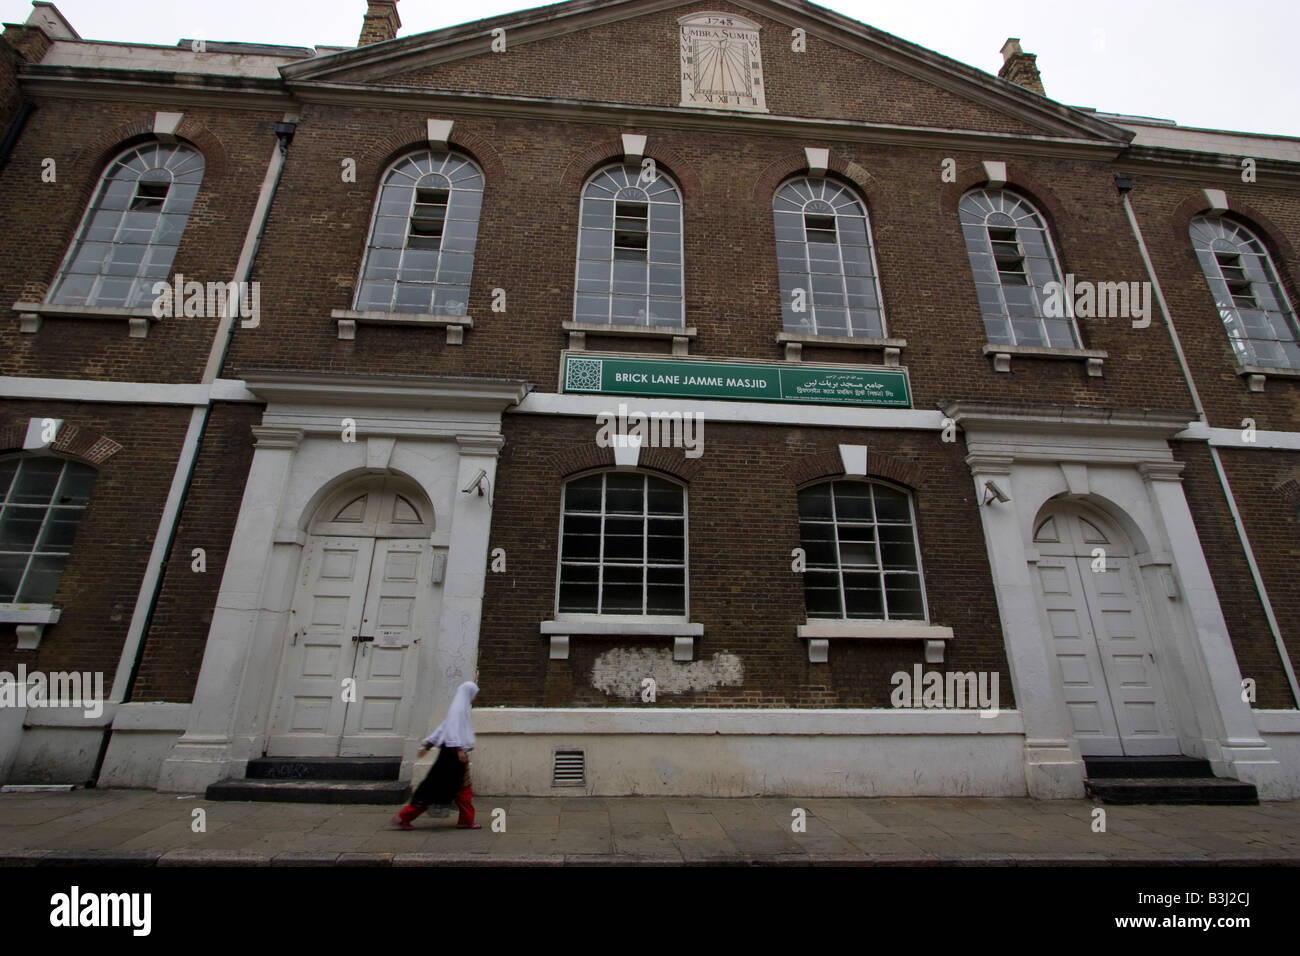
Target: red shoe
(472, 826)
(400, 824)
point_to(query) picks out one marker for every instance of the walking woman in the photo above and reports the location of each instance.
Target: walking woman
(448, 780)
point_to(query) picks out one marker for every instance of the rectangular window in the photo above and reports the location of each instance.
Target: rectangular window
(631, 230)
(623, 546)
(428, 218)
(1006, 254)
(821, 229)
(149, 197)
(1239, 284)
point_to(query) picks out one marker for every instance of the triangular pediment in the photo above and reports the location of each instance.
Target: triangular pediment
(636, 53)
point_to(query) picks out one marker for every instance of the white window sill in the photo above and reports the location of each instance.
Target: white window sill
(820, 632)
(681, 335)
(30, 315)
(1002, 356)
(680, 629)
(1255, 375)
(348, 320)
(795, 341)
(32, 619)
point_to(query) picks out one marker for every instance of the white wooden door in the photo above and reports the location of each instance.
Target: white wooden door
(375, 724)
(1102, 640)
(324, 623)
(350, 666)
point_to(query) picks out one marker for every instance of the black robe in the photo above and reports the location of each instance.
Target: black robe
(445, 779)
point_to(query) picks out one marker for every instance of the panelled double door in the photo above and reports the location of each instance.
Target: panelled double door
(1101, 636)
(363, 608)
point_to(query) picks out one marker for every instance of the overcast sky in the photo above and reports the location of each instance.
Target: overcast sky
(1226, 65)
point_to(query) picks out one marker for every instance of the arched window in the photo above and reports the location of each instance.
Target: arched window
(630, 250)
(1256, 312)
(421, 250)
(1012, 257)
(828, 273)
(623, 546)
(129, 235)
(43, 499)
(863, 561)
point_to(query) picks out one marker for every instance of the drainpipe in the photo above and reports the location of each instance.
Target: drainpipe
(15, 130)
(128, 666)
(1124, 184)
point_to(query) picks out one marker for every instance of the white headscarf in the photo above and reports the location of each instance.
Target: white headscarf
(456, 730)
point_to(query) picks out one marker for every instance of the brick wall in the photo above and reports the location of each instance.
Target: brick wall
(1164, 207)
(98, 589)
(178, 631)
(743, 524)
(1271, 526)
(81, 137)
(527, 245)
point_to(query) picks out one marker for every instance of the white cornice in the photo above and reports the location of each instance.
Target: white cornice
(1066, 419)
(391, 391)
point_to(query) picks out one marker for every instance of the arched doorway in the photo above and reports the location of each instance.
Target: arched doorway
(362, 604)
(1100, 634)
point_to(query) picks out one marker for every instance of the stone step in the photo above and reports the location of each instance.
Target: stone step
(1129, 767)
(324, 768)
(311, 791)
(1167, 790)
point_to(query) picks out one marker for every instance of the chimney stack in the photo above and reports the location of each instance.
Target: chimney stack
(381, 22)
(1020, 67)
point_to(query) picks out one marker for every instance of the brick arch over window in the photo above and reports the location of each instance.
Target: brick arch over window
(829, 465)
(795, 163)
(74, 441)
(582, 166)
(1284, 254)
(1037, 192)
(384, 151)
(90, 160)
(667, 461)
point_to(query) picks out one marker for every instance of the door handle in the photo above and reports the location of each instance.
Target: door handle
(363, 639)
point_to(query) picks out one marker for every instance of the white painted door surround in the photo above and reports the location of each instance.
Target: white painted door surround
(1118, 463)
(434, 432)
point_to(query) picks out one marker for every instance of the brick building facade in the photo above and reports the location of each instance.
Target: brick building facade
(380, 471)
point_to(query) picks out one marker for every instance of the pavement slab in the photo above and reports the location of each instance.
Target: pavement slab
(143, 828)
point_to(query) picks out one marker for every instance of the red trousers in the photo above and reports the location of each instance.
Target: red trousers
(464, 803)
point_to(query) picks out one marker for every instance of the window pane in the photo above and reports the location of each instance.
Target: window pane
(7, 468)
(12, 567)
(42, 579)
(903, 592)
(19, 528)
(37, 480)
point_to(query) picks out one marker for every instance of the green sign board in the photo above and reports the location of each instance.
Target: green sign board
(667, 378)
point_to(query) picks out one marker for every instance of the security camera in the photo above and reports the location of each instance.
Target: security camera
(993, 492)
(476, 482)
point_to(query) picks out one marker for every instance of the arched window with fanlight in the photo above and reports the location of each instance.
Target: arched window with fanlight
(623, 546)
(132, 228)
(42, 500)
(829, 281)
(420, 255)
(863, 559)
(1013, 261)
(630, 249)
(1256, 312)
